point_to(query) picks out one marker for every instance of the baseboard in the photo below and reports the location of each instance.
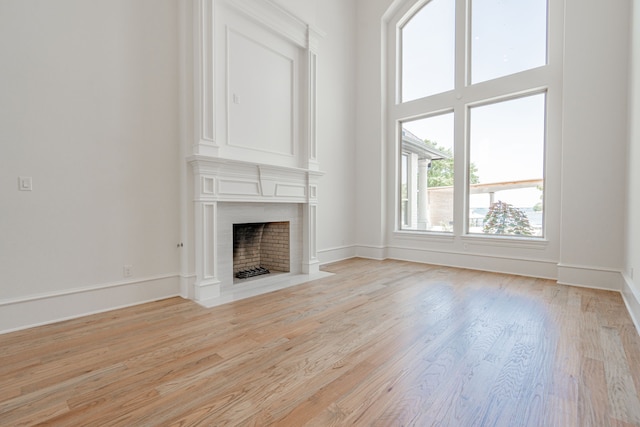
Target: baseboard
(327, 256)
(37, 310)
(497, 264)
(371, 252)
(590, 277)
(631, 298)
(187, 282)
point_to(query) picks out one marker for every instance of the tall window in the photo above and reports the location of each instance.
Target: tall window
(427, 173)
(471, 96)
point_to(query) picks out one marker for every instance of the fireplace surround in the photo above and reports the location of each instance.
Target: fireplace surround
(229, 192)
(254, 145)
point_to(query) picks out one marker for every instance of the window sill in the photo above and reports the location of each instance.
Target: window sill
(424, 235)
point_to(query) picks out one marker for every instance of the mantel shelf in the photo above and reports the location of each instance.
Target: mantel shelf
(223, 180)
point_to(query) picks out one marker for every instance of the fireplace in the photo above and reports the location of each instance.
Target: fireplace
(255, 174)
(260, 248)
(228, 192)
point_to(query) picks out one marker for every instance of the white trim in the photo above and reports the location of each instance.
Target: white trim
(187, 285)
(203, 78)
(590, 277)
(494, 263)
(330, 255)
(48, 295)
(371, 252)
(279, 20)
(226, 180)
(631, 299)
(37, 310)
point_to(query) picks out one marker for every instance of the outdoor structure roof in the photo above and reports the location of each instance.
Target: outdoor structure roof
(413, 144)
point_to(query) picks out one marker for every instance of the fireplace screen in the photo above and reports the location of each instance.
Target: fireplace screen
(260, 248)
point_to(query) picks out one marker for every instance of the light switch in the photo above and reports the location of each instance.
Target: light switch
(25, 183)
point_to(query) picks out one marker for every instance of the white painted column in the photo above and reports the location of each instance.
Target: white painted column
(312, 114)
(423, 194)
(207, 284)
(310, 262)
(412, 190)
(203, 79)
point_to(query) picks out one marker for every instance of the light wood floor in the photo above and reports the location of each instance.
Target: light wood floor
(379, 343)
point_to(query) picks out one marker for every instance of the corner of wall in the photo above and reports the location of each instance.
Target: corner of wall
(590, 277)
(631, 299)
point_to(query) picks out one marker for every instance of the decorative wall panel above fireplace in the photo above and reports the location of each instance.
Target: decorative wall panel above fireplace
(255, 83)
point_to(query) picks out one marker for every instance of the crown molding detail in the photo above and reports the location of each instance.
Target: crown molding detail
(278, 19)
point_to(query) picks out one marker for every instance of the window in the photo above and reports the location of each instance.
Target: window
(472, 82)
(506, 147)
(428, 47)
(507, 37)
(427, 173)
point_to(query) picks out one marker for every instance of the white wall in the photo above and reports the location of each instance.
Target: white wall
(589, 241)
(371, 225)
(336, 129)
(594, 134)
(88, 108)
(632, 265)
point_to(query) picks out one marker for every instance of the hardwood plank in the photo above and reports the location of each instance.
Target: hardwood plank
(593, 402)
(623, 396)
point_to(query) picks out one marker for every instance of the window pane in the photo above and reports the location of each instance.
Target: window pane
(507, 36)
(428, 44)
(507, 167)
(427, 174)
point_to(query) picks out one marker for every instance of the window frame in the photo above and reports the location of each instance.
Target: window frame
(546, 78)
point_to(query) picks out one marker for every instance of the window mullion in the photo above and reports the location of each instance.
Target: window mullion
(460, 169)
(460, 151)
(462, 47)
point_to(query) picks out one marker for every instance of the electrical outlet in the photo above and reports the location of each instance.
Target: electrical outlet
(127, 270)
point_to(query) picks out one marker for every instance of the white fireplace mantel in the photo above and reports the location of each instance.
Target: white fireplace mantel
(226, 180)
(254, 130)
(218, 181)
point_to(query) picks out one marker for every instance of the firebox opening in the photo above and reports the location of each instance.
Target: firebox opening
(260, 248)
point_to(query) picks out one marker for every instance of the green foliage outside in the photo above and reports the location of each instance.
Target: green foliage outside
(538, 206)
(506, 219)
(441, 171)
